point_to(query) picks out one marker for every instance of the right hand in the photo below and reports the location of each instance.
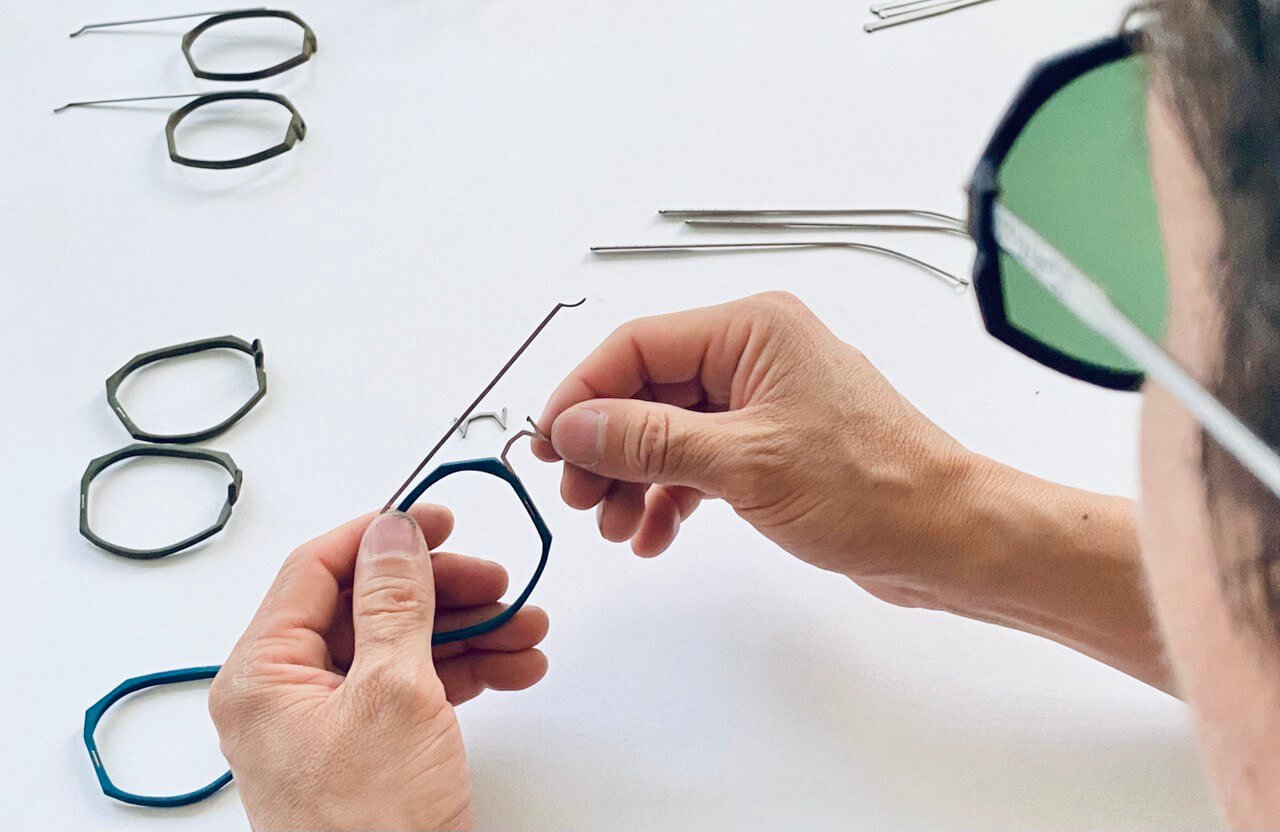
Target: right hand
(757, 403)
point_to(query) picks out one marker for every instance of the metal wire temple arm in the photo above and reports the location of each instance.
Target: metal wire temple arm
(897, 18)
(476, 403)
(931, 216)
(138, 98)
(931, 221)
(808, 225)
(93, 26)
(689, 248)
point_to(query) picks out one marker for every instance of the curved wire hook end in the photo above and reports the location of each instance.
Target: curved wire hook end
(535, 433)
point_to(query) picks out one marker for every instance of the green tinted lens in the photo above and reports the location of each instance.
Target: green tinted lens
(1078, 175)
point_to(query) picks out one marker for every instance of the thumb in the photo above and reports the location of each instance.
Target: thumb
(393, 596)
(638, 441)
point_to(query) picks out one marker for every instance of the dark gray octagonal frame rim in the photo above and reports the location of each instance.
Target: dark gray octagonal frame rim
(226, 342)
(141, 449)
(296, 132)
(308, 45)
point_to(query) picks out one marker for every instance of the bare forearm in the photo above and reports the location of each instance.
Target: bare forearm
(1046, 559)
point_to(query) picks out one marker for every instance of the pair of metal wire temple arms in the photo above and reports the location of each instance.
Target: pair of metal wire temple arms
(869, 220)
(403, 499)
(295, 131)
(897, 12)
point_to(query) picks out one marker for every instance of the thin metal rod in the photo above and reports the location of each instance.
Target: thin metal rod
(898, 4)
(947, 276)
(840, 226)
(909, 8)
(124, 100)
(92, 26)
(945, 219)
(932, 11)
(903, 6)
(471, 408)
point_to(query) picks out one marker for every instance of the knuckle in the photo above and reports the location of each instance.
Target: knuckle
(649, 444)
(625, 332)
(778, 302)
(220, 705)
(393, 596)
(228, 701)
(403, 685)
(763, 451)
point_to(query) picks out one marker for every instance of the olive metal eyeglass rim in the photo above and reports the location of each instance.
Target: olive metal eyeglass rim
(294, 133)
(144, 449)
(227, 342)
(212, 20)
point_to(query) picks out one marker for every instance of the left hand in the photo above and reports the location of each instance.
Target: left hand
(335, 711)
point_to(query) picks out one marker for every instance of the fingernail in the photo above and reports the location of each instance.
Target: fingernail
(578, 436)
(393, 533)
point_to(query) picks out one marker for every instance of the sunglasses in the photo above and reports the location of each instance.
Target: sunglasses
(1070, 265)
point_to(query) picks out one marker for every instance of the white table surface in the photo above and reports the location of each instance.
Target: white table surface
(462, 155)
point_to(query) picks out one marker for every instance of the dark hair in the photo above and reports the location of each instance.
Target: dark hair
(1218, 64)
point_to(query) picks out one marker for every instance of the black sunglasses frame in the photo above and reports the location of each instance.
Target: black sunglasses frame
(1045, 81)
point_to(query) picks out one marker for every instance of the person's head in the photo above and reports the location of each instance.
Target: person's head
(1211, 532)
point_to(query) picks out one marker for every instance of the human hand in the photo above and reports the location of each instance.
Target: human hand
(757, 403)
(335, 711)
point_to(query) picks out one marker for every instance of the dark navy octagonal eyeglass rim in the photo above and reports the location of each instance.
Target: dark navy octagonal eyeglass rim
(129, 686)
(494, 467)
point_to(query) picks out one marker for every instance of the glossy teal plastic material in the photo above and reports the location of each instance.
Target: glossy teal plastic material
(94, 715)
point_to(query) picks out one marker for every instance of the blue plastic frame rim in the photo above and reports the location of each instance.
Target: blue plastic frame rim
(94, 715)
(493, 467)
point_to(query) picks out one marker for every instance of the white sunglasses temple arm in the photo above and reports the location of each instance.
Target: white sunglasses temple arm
(1091, 305)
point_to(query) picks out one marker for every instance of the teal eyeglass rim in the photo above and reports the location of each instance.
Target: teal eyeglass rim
(984, 191)
(494, 467)
(95, 713)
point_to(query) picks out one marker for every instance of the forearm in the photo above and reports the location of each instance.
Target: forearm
(1046, 559)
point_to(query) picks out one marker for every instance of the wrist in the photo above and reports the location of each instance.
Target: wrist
(1016, 550)
(1003, 526)
(959, 549)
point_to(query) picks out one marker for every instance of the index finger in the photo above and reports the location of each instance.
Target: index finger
(699, 345)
